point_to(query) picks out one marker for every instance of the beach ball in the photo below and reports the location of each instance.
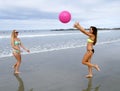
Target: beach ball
(64, 16)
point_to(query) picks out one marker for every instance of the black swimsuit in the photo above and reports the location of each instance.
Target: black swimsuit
(93, 50)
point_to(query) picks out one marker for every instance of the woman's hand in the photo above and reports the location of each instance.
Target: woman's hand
(77, 25)
(28, 50)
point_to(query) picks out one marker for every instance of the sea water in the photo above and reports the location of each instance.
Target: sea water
(47, 40)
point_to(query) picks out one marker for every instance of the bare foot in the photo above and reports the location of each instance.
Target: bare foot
(17, 72)
(14, 66)
(97, 67)
(89, 76)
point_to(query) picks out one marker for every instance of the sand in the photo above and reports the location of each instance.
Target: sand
(62, 70)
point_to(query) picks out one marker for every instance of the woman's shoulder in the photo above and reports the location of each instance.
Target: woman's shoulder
(17, 39)
(92, 37)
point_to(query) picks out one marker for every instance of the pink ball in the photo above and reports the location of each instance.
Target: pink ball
(64, 16)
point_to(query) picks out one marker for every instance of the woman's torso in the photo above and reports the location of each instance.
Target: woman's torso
(90, 42)
(17, 43)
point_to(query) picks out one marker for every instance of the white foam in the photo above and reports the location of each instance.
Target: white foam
(107, 42)
(60, 48)
(40, 35)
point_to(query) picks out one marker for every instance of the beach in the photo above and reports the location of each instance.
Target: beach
(44, 45)
(62, 70)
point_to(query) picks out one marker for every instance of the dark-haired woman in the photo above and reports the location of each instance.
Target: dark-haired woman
(92, 39)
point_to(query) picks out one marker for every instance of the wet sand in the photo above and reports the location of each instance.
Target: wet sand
(62, 70)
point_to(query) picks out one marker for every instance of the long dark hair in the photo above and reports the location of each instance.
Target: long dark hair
(95, 33)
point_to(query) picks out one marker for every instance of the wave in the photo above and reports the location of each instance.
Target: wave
(39, 35)
(108, 42)
(49, 34)
(59, 48)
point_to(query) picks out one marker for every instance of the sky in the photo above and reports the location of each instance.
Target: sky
(43, 14)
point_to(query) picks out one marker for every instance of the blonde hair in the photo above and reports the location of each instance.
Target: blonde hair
(13, 36)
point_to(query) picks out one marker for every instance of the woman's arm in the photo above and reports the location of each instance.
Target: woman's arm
(77, 25)
(21, 45)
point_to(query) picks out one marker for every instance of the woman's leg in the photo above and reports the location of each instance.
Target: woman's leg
(14, 66)
(90, 74)
(86, 57)
(17, 65)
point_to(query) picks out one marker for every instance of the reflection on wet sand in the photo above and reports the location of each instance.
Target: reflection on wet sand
(90, 88)
(21, 84)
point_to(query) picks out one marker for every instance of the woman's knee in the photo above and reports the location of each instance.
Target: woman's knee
(18, 57)
(83, 62)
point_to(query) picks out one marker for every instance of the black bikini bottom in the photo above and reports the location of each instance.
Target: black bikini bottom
(92, 50)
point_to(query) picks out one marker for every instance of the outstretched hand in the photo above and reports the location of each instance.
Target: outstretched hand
(76, 25)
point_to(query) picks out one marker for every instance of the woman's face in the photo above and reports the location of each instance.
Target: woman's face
(16, 33)
(91, 31)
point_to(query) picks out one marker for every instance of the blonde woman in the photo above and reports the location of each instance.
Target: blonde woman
(91, 41)
(16, 44)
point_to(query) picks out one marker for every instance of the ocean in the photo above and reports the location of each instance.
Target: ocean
(46, 40)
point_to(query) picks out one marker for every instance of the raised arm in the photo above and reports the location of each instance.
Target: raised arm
(79, 27)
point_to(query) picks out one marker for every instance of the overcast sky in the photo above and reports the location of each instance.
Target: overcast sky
(43, 14)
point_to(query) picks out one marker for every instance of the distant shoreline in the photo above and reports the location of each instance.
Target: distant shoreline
(68, 29)
(71, 29)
